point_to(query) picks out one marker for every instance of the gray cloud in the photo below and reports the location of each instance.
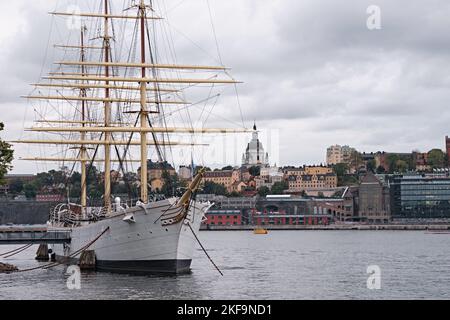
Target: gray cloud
(311, 68)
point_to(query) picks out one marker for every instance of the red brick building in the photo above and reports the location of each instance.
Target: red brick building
(224, 218)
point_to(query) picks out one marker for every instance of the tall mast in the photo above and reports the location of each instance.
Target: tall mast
(83, 152)
(101, 132)
(106, 41)
(143, 111)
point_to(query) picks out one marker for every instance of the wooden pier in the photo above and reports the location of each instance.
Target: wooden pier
(31, 235)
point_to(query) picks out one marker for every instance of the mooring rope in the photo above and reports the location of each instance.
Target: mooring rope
(54, 264)
(204, 250)
(19, 251)
(16, 249)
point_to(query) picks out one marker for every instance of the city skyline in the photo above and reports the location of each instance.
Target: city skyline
(365, 88)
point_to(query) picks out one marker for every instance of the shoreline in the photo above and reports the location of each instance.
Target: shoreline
(379, 227)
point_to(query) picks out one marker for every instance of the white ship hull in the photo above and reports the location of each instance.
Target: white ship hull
(142, 245)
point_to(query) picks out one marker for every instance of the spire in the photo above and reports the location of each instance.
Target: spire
(254, 126)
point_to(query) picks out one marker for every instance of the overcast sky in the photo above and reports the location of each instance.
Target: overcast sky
(312, 70)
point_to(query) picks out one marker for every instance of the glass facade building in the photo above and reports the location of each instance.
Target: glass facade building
(420, 196)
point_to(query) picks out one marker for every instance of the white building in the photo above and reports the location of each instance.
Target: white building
(185, 173)
(268, 177)
(254, 154)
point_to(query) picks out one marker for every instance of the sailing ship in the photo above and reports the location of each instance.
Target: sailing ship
(114, 101)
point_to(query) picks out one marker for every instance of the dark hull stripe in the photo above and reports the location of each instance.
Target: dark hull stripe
(146, 267)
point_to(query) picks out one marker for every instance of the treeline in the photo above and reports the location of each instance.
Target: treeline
(69, 184)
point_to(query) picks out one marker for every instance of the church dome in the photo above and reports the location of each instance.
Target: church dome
(254, 154)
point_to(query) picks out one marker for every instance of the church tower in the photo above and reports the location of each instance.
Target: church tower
(254, 154)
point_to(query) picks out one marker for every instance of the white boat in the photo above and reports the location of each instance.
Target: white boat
(150, 236)
(142, 239)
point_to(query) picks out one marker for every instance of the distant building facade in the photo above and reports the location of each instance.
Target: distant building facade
(339, 154)
(254, 154)
(290, 210)
(268, 177)
(223, 218)
(373, 200)
(420, 196)
(226, 206)
(185, 173)
(227, 178)
(156, 171)
(420, 161)
(310, 178)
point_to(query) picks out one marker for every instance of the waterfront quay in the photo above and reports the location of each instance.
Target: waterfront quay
(433, 228)
(32, 235)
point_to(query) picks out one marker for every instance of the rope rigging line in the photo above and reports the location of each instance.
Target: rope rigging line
(214, 32)
(191, 200)
(19, 251)
(65, 259)
(204, 250)
(16, 249)
(161, 155)
(171, 48)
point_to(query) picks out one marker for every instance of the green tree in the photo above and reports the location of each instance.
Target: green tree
(436, 158)
(16, 186)
(6, 156)
(51, 179)
(356, 160)
(227, 168)
(75, 190)
(235, 194)
(263, 191)
(120, 188)
(341, 169)
(198, 168)
(255, 171)
(401, 166)
(381, 170)
(171, 184)
(338, 194)
(371, 165)
(399, 162)
(348, 180)
(75, 177)
(320, 195)
(30, 191)
(279, 187)
(214, 188)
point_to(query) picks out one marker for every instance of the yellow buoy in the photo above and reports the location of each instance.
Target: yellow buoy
(260, 231)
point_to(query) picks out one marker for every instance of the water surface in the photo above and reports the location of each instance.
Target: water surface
(280, 265)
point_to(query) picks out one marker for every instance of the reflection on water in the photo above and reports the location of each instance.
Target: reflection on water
(280, 265)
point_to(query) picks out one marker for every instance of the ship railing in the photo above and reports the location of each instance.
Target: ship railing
(120, 205)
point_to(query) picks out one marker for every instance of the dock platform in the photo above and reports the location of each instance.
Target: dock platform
(32, 235)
